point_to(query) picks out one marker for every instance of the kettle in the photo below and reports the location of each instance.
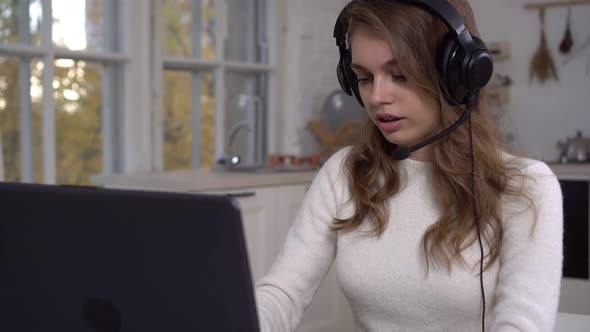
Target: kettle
(574, 149)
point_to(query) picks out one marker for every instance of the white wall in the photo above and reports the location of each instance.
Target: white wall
(540, 114)
(311, 58)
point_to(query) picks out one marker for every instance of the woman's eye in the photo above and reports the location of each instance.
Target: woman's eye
(363, 80)
(399, 78)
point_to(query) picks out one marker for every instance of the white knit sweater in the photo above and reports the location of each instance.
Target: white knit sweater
(384, 278)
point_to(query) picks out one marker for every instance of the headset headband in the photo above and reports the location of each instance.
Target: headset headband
(440, 8)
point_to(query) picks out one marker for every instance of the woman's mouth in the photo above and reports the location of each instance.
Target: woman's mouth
(389, 123)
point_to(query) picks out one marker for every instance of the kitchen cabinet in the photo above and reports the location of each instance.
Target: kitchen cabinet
(575, 236)
(267, 214)
(575, 284)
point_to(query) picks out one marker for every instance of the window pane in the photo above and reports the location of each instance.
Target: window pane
(183, 34)
(77, 93)
(77, 25)
(10, 117)
(20, 21)
(178, 119)
(245, 115)
(246, 35)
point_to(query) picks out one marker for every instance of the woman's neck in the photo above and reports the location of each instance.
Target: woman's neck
(423, 154)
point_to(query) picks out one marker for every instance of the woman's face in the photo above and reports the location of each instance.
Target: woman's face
(392, 102)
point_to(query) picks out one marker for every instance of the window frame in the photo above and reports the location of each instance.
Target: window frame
(132, 108)
(112, 99)
(218, 67)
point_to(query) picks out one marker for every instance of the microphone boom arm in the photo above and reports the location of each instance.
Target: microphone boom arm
(404, 152)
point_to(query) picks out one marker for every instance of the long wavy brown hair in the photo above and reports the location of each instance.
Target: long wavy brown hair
(374, 177)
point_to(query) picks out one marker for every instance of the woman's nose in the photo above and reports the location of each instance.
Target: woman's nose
(382, 92)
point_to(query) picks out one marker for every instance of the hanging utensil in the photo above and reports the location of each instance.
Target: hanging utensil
(542, 64)
(567, 42)
(577, 51)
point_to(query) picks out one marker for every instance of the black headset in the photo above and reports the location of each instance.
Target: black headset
(463, 61)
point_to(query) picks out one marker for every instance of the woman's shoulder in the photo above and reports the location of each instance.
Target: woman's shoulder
(336, 161)
(528, 166)
(331, 177)
(333, 169)
(537, 174)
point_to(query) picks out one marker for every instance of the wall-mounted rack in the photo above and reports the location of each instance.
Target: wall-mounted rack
(550, 4)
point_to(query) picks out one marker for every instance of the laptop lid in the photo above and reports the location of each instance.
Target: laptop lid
(106, 260)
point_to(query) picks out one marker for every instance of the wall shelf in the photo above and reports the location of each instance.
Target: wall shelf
(550, 4)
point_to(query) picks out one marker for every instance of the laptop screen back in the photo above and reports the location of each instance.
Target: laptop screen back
(83, 259)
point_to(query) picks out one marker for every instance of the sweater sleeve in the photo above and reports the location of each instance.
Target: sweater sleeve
(528, 287)
(309, 250)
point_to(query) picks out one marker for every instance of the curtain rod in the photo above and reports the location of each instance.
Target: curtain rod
(549, 4)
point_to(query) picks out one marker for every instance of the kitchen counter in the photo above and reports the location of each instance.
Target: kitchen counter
(570, 170)
(207, 179)
(566, 322)
(201, 180)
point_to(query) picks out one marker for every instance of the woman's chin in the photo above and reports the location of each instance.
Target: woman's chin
(394, 138)
(400, 139)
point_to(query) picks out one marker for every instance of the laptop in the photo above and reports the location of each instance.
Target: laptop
(109, 260)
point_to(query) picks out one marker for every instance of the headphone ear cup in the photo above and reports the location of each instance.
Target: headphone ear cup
(450, 58)
(342, 78)
(460, 76)
(480, 67)
(347, 77)
(357, 94)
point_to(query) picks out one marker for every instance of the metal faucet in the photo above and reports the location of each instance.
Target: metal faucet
(230, 159)
(245, 104)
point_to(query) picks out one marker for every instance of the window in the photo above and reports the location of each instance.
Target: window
(107, 86)
(216, 62)
(59, 65)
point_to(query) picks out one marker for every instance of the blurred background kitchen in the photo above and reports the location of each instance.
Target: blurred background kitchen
(241, 97)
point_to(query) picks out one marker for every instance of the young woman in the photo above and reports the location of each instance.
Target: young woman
(460, 236)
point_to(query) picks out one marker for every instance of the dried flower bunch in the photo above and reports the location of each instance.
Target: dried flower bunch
(542, 64)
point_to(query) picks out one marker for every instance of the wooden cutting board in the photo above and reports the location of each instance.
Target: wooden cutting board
(333, 140)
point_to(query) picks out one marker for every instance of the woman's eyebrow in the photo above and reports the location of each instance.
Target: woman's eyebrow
(387, 65)
(358, 67)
